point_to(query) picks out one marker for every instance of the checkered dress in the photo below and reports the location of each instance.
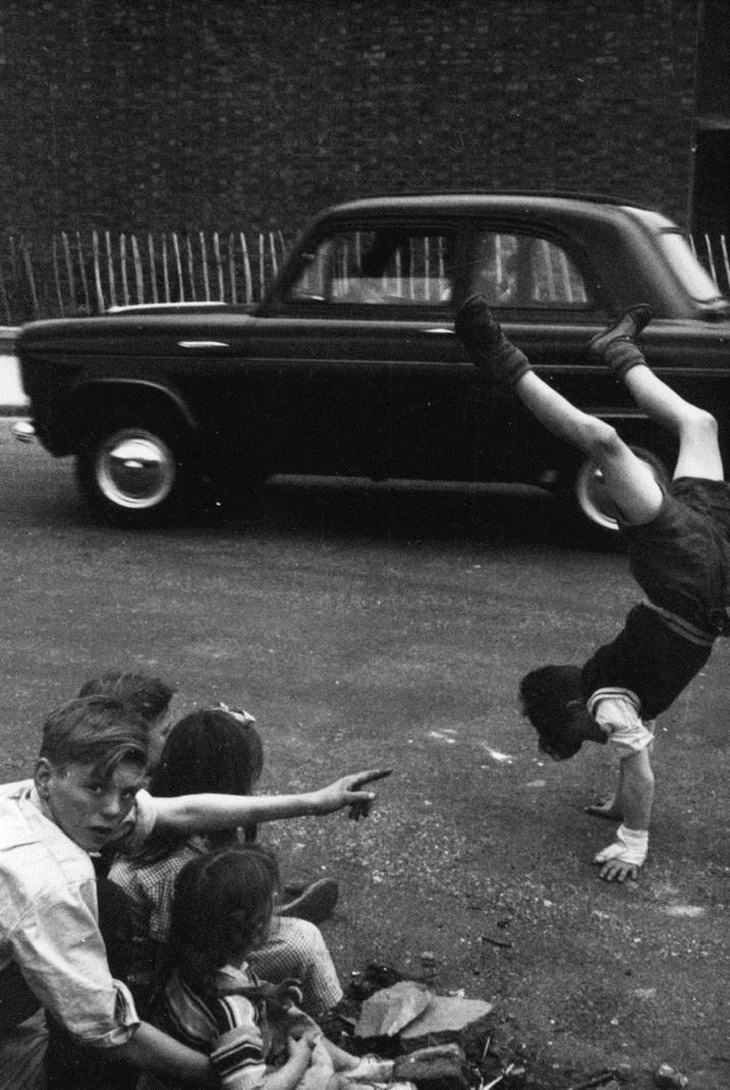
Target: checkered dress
(294, 948)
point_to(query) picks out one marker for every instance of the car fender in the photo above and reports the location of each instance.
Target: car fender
(92, 397)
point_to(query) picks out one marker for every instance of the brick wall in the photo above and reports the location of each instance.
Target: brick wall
(253, 114)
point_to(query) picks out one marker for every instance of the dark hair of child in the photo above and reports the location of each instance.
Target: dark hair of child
(552, 700)
(222, 906)
(148, 695)
(211, 750)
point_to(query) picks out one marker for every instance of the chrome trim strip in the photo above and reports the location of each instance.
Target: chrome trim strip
(203, 344)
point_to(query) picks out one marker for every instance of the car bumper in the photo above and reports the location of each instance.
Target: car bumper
(24, 431)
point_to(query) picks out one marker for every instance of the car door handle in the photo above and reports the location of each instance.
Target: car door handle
(203, 344)
(439, 329)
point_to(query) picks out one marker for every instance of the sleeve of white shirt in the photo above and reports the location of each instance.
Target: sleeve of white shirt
(59, 949)
(617, 712)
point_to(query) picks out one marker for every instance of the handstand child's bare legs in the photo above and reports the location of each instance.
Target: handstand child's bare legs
(628, 479)
(699, 452)
(696, 430)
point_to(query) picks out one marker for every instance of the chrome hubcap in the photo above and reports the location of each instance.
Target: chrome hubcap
(135, 469)
(593, 498)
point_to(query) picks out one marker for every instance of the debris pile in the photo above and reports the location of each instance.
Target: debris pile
(446, 1041)
(438, 1042)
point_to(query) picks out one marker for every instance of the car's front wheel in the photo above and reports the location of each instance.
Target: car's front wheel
(134, 474)
(590, 499)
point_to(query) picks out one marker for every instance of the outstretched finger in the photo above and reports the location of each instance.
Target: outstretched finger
(369, 777)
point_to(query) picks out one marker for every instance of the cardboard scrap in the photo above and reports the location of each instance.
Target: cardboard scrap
(390, 1010)
(442, 1067)
(445, 1014)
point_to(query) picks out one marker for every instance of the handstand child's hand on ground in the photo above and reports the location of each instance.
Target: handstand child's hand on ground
(615, 870)
(622, 859)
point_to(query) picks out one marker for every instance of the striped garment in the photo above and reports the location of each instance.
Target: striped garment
(229, 1028)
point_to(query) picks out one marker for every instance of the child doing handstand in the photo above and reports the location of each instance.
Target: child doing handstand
(677, 539)
(214, 1002)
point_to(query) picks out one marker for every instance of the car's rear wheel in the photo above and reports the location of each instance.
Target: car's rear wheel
(134, 474)
(589, 497)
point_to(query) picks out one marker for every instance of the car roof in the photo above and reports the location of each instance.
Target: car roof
(561, 203)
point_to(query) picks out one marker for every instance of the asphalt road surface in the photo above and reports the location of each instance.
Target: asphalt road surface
(389, 627)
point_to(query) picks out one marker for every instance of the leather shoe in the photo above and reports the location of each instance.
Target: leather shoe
(627, 328)
(315, 903)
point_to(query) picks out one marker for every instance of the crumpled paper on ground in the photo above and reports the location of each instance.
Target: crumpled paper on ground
(391, 1009)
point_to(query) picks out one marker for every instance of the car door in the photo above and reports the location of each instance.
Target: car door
(549, 299)
(372, 380)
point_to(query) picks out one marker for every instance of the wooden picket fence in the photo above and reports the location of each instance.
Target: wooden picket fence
(75, 274)
(712, 252)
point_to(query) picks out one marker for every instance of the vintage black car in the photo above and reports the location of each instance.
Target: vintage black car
(350, 365)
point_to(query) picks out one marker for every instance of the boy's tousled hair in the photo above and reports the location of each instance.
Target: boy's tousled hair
(97, 730)
(552, 699)
(223, 901)
(148, 695)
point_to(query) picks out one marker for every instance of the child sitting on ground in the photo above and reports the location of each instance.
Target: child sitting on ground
(677, 539)
(213, 1001)
(214, 750)
(152, 698)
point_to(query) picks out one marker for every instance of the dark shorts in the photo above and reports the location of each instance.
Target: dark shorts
(681, 559)
(647, 657)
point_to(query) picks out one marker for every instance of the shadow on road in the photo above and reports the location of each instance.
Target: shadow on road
(422, 511)
(36, 490)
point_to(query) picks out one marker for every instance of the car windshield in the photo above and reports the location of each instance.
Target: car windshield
(693, 275)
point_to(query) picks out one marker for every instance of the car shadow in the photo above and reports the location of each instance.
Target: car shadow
(408, 511)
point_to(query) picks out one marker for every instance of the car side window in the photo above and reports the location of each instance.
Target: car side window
(520, 270)
(386, 267)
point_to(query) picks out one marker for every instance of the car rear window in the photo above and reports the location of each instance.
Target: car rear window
(525, 271)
